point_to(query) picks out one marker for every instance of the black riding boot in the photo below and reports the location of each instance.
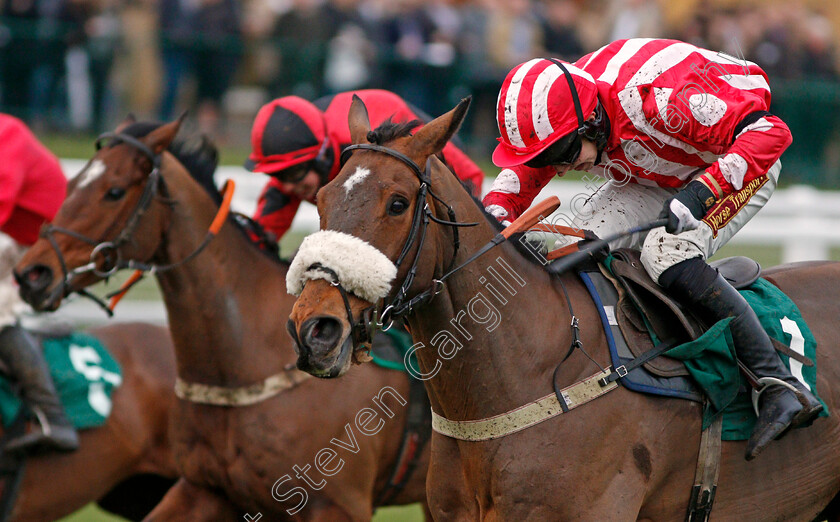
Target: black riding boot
(26, 362)
(699, 287)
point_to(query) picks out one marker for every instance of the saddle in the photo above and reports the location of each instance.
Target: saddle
(644, 307)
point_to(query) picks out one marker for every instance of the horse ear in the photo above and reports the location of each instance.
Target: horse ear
(129, 119)
(159, 139)
(434, 135)
(358, 120)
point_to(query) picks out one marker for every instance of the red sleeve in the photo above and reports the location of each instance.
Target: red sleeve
(754, 151)
(11, 181)
(514, 190)
(466, 170)
(276, 209)
(709, 112)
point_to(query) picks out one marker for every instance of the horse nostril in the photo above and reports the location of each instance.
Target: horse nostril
(35, 277)
(321, 334)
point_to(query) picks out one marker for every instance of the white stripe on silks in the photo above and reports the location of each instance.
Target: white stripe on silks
(706, 108)
(539, 101)
(525, 416)
(640, 155)
(733, 167)
(362, 269)
(511, 120)
(539, 97)
(746, 82)
(662, 95)
(631, 102)
(660, 63)
(670, 56)
(627, 51)
(497, 211)
(507, 182)
(761, 125)
(591, 57)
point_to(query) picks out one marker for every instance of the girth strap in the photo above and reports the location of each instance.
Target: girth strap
(241, 396)
(525, 416)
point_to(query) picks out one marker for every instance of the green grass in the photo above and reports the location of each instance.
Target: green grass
(412, 513)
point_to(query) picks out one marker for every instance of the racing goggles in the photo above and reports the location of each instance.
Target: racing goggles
(564, 151)
(295, 173)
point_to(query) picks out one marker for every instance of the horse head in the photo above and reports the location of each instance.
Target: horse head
(114, 211)
(376, 250)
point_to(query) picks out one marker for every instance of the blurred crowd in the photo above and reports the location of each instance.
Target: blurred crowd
(82, 64)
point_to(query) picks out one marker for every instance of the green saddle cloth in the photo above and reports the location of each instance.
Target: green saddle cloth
(390, 347)
(84, 374)
(711, 359)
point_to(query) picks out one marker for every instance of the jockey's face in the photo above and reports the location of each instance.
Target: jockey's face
(306, 188)
(584, 162)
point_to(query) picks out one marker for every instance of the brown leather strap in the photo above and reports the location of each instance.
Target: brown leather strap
(796, 356)
(706, 476)
(558, 229)
(560, 252)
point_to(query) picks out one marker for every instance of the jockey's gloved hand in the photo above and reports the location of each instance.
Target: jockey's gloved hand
(685, 209)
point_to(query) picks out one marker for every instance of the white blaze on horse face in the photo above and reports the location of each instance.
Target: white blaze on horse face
(356, 178)
(91, 173)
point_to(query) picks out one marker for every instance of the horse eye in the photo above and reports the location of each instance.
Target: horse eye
(114, 194)
(397, 206)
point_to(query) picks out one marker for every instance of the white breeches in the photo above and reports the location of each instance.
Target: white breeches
(613, 209)
(11, 305)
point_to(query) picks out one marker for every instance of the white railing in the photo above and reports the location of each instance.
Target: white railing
(803, 221)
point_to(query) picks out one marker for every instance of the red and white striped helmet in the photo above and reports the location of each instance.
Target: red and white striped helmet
(536, 108)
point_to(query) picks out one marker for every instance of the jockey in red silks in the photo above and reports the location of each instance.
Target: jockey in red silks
(675, 129)
(32, 188)
(299, 144)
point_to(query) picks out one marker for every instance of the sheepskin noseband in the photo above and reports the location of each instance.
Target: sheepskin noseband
(362, 269)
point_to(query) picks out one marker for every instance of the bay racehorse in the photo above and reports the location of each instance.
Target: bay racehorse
(127, 462)
(485, 349)
(315, 450)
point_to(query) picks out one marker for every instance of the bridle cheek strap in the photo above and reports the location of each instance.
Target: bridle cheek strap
(212, 231)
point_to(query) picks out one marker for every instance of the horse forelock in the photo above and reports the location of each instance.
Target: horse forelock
(389, 131)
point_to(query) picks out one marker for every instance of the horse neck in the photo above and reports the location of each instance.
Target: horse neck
(226, 306)
(508, 320)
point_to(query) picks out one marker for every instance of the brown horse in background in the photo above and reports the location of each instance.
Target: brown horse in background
(223, 305)
(623, 456)
(117, 461)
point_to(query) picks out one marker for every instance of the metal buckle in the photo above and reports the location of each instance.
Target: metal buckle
(386, 313)
(621, 371)
(105, 249)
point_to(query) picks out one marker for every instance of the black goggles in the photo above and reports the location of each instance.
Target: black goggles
(294, 174)
(564, 151)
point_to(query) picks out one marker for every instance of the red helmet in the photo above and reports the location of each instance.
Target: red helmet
(287, 131)
(535, 109)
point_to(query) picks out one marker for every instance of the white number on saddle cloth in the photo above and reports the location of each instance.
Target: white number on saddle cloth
(86, 360)
(797, 344)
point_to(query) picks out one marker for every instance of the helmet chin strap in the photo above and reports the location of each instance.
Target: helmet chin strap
(597, 130)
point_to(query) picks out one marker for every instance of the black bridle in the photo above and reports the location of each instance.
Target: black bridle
(362, 331)
(109, 250)
(399, 306)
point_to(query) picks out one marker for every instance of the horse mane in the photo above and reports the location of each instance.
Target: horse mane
(389, 131)
(200, 157)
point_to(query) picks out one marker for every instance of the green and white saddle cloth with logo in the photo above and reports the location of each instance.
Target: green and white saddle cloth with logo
(85, 376)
